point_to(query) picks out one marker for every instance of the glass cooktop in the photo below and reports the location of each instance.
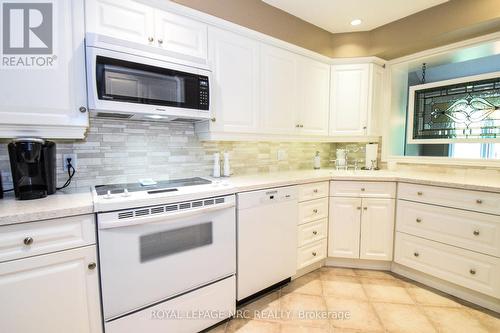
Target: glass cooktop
(160, 186)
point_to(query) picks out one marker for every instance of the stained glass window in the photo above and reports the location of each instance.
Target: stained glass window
(469, 110)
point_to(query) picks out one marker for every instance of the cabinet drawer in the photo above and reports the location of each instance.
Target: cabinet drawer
(312, 231)
(312, 253)
(469, 269)
(313, 210)
(34, 238)
(473, 231)
(485, 202)
(313, 191)
(363, 189)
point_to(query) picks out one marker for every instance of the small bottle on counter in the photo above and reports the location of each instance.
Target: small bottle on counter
(216, 170)
(317, 161)
(227, 167)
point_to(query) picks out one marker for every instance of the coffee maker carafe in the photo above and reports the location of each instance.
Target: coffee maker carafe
(33, 166)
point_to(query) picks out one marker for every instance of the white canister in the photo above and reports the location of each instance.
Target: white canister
(216, 170)
(227, 167)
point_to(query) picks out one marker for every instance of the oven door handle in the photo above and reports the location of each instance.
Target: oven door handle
(116, 223)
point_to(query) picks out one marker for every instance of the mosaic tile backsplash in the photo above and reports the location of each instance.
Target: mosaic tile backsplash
(124, 151)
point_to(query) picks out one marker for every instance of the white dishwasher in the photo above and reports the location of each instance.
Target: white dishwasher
(267, 239)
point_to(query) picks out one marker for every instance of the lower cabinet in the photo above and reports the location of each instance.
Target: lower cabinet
(361, 228)
(57, 292)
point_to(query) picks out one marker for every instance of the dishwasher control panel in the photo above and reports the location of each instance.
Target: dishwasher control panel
(267, 196)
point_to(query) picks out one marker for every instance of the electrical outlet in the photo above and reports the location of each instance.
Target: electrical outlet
(281, 155)
(73, 161)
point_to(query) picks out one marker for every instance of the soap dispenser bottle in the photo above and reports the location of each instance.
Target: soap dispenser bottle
(317, 161)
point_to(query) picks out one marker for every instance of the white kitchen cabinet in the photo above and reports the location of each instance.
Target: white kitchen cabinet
(122, 19)
(361, 227)
(344, 227)
(313, 97)
(56, 292)
(279, 90)
(131, 21)
(49, 101)
(377, 229)
(355, 99)
(235, 68)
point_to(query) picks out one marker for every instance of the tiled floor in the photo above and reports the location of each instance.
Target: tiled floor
(375, 301)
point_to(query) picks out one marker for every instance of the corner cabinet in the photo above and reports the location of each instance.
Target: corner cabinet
(356, 99)
(49, 101)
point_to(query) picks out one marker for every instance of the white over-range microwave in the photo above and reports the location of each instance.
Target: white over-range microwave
(127, 83)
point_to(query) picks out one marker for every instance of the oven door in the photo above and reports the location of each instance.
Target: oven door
(140, 86)
(146, 260)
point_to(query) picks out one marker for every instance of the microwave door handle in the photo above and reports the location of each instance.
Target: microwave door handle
(116, 223)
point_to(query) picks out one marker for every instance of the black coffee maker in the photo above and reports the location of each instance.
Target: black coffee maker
(33, 166)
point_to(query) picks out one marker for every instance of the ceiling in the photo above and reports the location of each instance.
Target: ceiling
(336, 15)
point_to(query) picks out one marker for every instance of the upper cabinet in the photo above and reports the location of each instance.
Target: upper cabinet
(355, 99)
(44, 95)
(167, 33)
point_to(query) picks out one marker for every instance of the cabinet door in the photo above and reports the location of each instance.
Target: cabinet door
(377, 229)
(235, 66)
(123, 19)
(314, 94)
(46, 101)
(344, 227)
(278, 90)
(181, 36)
(349, 99)
(51, 293)
(376, 99)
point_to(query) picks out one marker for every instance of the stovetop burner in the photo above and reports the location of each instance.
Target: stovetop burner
(161, 186)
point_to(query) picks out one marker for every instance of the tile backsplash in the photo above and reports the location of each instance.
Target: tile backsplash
(124, 151)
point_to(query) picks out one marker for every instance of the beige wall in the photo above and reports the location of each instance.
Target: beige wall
(447, 23)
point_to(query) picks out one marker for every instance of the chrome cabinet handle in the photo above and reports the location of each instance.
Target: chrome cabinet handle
(479, 201)
(314, 254)
(420, 193)
(28, 241)
(151, 39)
(315, 232)
(418, 220)
(315, 211)
(92, 266)
(476, 232)
(416, 254)
(472, 271)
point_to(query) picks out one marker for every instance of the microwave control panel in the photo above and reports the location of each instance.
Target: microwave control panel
(204, 92)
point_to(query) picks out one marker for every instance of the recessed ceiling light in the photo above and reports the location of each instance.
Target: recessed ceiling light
(155, 116)
(356, 22)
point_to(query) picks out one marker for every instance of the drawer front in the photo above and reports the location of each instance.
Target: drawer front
(312, 253)
(470, 230)
(312, 232)
(313, 191)
(313, 210)
(469, 269)
(485, 202)
(34, 238)
(363, 189)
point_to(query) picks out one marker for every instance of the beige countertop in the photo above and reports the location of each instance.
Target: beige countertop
(57, 205)
(77, 203)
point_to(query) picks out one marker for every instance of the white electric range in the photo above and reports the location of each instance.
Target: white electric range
(167, 255)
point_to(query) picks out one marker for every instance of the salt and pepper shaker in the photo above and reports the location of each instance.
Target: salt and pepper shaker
(216, 170)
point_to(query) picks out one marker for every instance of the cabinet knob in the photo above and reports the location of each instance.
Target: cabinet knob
(314, 254)
(420, 193)
(416, 254)
(151, 39)
(362, 189)
(472, 271)
(365, 208)
(364, 127)
(160, 41)
(418, 220)
(476, 232)
(82, 109)
(315, 190)
(297, 125)
(479, 201)
(92, 266)
(358, 208)
(315, 232)
(301, 126)
(28, 241)
(315, 211)
(213, 119)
